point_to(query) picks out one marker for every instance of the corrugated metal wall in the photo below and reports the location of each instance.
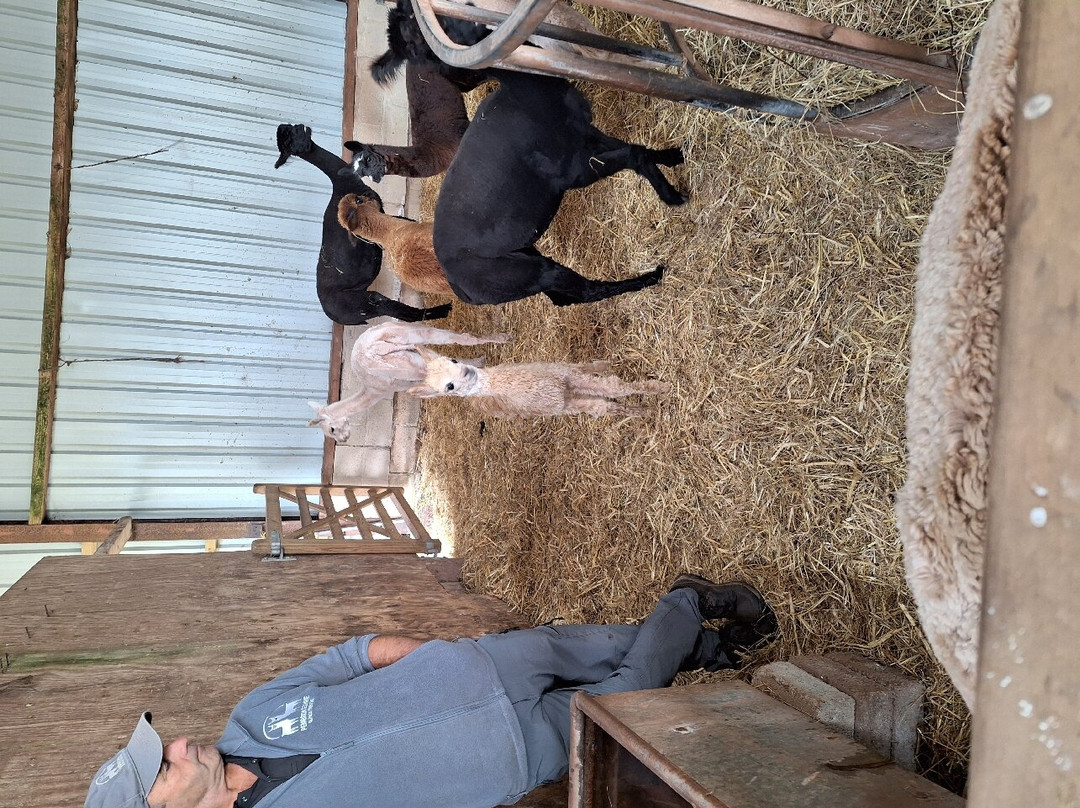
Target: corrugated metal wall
(185, 243)
(27, 45)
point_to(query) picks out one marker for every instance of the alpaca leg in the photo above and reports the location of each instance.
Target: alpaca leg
(598, 407)
(614, 387)
(648, 162)
(357, 306)
(611, 155)
(600, 366)
(429, 335)
(564, 287)
(480, 280)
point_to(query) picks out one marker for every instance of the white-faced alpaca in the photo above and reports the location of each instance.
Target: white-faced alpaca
(543, 388)
(406, 244)
(386, 360)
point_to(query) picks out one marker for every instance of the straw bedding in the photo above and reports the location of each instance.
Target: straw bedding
(782, 326)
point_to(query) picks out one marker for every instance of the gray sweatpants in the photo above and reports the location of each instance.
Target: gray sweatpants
(542, 667)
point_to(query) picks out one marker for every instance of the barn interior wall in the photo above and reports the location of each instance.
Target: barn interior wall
(27, 68)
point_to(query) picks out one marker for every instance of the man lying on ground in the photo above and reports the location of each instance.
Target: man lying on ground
(391, 721)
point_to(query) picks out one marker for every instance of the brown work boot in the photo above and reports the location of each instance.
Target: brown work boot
(731, 601)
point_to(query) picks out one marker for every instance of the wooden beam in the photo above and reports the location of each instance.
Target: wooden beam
(145, 531)
(348, 123)
(344, 547)
(55, 252)
(1026, 744)
(117, 538)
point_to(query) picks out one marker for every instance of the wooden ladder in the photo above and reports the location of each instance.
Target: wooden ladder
(363, 525)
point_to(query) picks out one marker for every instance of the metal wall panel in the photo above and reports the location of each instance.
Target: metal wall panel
(27, 44)
(192, 335)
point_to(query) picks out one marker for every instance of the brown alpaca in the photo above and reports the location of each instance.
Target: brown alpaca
(406, 244)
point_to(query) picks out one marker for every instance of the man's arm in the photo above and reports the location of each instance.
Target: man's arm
(386, 649)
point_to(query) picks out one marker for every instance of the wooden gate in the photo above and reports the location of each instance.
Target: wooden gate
(359, 521)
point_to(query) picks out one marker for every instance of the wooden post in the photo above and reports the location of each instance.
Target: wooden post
(348, 120)
(1026, 745)
(116, 540)
(56, 251)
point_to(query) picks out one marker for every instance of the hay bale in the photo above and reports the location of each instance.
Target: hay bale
(941, 510)
(782, 325)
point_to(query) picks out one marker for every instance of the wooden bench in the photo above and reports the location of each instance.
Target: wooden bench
(726, 745)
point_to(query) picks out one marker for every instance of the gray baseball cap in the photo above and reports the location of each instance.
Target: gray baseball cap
(126, 778)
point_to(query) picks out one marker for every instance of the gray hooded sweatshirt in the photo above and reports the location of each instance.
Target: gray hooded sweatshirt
(434, 729)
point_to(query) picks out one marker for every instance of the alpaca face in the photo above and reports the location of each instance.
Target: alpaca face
(335, 428)
(355, 214)
(449, 377)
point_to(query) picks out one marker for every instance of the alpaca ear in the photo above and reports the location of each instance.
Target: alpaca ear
(385, 68)
(422, 391)
(315, 405)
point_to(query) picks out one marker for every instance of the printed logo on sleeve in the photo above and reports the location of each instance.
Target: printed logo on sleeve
(289, 718)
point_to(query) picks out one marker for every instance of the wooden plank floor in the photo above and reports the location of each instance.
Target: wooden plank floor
(86, 643)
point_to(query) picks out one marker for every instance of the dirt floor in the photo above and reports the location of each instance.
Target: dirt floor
(781, 326)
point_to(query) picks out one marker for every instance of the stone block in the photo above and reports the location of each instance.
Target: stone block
(406, 410)
(361, 466)
(908, 695)
(403, 449)
(873, 700)
(808, 694)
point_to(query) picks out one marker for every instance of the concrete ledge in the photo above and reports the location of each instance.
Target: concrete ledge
(808, 694)
(888, 703)
(908, 696)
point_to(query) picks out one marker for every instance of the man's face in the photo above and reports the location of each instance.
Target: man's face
(191, 777)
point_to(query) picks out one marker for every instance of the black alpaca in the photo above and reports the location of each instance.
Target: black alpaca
(347, 266)
(529, 143)
(407, 44)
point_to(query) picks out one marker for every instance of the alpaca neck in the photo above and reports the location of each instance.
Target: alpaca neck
(378, 227)
(483, 383)
(352, 405)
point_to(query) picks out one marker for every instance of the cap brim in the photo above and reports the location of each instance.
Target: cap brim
(146, 752)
